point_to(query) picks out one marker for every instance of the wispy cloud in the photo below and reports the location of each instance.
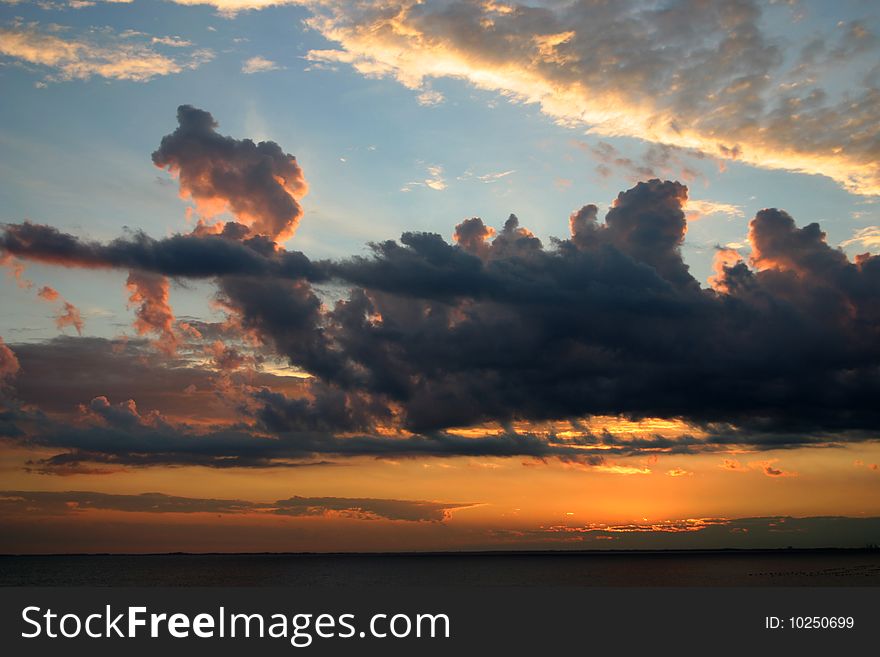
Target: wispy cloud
(230, 8)
(865, 238)
(699, 208)
(434, 180)
(486, 178)
(98, 53)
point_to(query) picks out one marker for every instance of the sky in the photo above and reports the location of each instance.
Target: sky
(286, 275)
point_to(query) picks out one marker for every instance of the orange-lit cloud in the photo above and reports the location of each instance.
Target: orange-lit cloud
(867, 238)
(9, 365)
(723, 259)
(48, 293)
(15, 268)
(153, 314)
(259, 184)
(232, 7)
(69, 315)
(100, 54)
(769, 469)
(50, 503)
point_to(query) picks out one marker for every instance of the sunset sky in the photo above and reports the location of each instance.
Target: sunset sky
(286, 275)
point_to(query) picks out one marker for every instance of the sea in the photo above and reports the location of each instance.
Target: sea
(722, 568)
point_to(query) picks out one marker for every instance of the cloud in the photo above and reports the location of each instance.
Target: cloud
(707, 77)
(697, 209)
(486, 178)
(658, 160)
(259, 183)
(48, 293)
(499, 328)
(59, 4)
(60, 374)
(768, 468)
(99, 54)
(434, 180)
(51, 503)
(153, 314)
(430, 97)
(196, 255)
(259, 65)
(9, 364)
(230, 8)
(43, 503)
(771, 532)
(867, 238)
(69, 315)
(400, 347)
(366, 508)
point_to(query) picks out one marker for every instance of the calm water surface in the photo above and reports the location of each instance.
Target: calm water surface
(755, 568)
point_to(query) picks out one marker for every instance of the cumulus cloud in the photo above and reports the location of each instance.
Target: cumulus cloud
(704, 76)
(99, 53)
(259, 184)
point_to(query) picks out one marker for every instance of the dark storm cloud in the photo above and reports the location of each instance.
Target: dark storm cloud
(258, 183)
(329, 409)
(60, 374)
(117, 435)
(186, 256)
(500, 328)
(55, 503)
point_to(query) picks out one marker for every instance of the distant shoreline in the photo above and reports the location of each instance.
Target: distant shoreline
(470, 553)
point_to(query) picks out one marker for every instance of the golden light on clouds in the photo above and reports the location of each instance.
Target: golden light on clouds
(574, 79)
